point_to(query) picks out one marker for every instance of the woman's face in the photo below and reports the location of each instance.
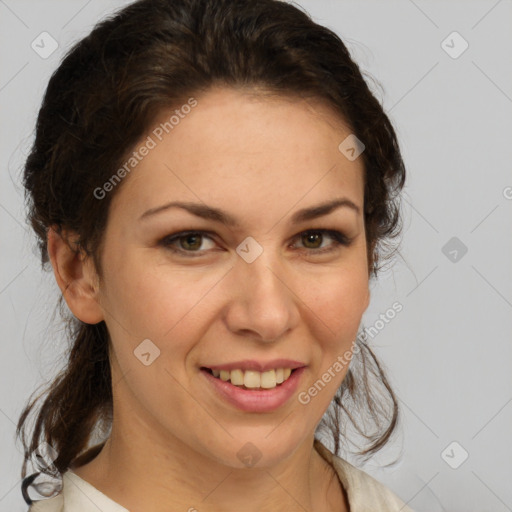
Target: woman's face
(271, 286)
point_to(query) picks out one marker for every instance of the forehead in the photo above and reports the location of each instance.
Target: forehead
(240, 120)
(239, 148)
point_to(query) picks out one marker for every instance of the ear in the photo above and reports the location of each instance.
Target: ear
(75, 275)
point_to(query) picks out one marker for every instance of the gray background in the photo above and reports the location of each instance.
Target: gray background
(449, 351)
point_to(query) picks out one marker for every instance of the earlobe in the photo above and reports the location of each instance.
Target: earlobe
(75, 276)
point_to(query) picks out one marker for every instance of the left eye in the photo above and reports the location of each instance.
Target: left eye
(316, 235)
(191, 241)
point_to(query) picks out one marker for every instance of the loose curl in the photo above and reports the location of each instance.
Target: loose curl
(105, 95)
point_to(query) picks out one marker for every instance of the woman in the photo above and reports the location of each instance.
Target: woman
(213, 184)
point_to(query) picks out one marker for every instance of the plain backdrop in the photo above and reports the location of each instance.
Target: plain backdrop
(446, 79)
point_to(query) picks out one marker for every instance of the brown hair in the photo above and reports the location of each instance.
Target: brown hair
(104, 96)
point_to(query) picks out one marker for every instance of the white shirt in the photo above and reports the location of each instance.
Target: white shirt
(365, 493)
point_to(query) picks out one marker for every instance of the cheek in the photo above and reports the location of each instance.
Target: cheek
(339, 303)
(158, 303)
(167, 309)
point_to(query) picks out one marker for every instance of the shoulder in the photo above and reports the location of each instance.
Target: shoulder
(55, 504)
(77, 495)
(365, 493)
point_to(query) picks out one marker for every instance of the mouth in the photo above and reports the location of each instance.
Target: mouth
(253, 380)
(253, 391)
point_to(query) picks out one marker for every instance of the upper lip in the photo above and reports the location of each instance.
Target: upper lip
(259, 366)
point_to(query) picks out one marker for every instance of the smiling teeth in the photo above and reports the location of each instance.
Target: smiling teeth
(253, 379)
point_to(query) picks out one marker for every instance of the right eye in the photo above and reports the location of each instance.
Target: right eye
(190, 242)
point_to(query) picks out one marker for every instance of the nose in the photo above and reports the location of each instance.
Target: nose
(262, 303)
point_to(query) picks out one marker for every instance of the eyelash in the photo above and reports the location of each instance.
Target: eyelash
(339, 240)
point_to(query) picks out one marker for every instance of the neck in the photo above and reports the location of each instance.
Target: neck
(179, 479)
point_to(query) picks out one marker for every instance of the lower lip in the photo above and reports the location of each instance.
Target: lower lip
(266, 400)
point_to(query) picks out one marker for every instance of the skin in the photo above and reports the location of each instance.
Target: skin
(174, 441)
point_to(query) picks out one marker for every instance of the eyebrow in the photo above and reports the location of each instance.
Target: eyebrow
(217, 215)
